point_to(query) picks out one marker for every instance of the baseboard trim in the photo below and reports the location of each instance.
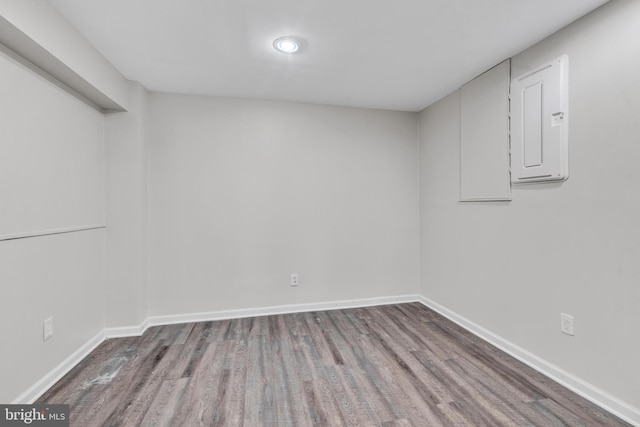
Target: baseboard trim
(570, 381)
(584, 389)
(134, 331)
(279, 309)
(38, 389)
(126, 331)
(130, 331)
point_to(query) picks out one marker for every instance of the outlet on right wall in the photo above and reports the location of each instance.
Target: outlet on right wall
(572, 247)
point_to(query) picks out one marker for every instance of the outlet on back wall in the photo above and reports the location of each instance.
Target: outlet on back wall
(293, 279)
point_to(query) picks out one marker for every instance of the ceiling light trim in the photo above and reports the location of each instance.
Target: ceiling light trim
(287, 44)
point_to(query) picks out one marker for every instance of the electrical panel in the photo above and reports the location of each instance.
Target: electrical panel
(539, 124)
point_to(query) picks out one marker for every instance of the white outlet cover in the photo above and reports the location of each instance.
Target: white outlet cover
(47, 330)
(566, 324)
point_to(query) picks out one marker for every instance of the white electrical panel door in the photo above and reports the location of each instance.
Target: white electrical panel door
(484, 139)
(539, 124)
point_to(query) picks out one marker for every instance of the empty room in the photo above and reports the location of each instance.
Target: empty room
(320, 213)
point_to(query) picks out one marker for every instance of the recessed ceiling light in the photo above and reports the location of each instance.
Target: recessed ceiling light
(287, 44)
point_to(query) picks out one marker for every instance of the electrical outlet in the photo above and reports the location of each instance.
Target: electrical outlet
(293, 280)
(47, 328)
(566, 324)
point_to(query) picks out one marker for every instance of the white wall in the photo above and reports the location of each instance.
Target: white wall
(243, 193)
(51, 157)
(513, 267)
(51, 177)
(127, 190)
(38, 32)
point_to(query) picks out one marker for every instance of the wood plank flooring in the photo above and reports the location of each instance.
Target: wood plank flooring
(393, 366)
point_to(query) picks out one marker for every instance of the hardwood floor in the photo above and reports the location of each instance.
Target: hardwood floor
(393, 366)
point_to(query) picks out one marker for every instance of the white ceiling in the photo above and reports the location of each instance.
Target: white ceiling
(398, 55)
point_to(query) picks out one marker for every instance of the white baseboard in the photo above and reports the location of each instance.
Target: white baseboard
(586, 390)
(126, 331)
(570, 381)
(279, 309)
(132, 331)
(38, 389)
(59, 371)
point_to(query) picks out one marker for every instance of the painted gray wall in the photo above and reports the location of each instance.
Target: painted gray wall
(52, 176)
(243, 193)
(38, 32)
(126, 148)
(513, 267)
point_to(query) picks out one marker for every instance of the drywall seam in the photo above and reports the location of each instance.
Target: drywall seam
(50, 232)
